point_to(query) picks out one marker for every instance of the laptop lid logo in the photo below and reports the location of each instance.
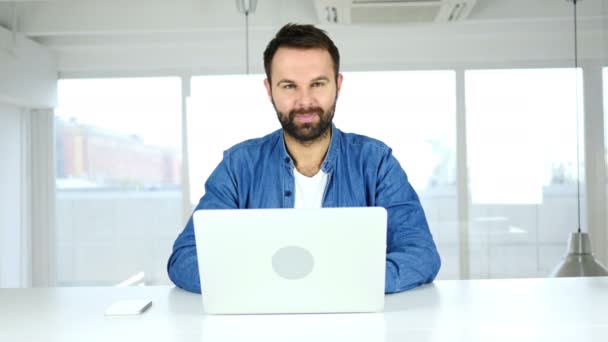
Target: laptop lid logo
(292, 262)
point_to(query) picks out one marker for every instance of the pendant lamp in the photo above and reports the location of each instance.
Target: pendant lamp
(579, 260)
(245, 7)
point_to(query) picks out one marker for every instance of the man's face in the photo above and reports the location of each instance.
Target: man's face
(303, 90)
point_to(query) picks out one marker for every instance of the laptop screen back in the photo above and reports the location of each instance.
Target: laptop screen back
(291, 260)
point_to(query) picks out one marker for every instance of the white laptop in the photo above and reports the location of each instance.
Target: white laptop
(262, 261)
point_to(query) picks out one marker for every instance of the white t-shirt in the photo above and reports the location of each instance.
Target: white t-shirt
(309, 190)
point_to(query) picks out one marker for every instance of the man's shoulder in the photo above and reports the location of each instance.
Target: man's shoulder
(255, 145)
(363, 142)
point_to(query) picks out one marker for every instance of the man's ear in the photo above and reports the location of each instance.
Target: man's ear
(338, 84)
(268, 88)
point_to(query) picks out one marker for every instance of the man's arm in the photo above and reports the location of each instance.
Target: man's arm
(220, 193)
(411, 256)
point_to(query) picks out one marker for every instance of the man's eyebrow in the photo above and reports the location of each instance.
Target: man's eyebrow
(285, 81)
(320, 78)
(316, 79)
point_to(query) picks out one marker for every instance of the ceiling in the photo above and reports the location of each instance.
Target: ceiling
(208, 35)
(42, 18)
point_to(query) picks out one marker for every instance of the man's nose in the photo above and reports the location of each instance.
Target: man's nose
(304, 98)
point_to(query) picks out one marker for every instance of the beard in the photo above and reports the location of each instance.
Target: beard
(307, 132)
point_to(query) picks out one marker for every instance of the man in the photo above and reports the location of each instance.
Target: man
(311, 163)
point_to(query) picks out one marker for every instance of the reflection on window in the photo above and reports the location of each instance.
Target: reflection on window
(118, 203)
(118, 133)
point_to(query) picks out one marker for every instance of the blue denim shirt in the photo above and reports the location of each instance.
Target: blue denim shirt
(362, 172)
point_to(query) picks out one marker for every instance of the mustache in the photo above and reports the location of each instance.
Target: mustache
(316, 110)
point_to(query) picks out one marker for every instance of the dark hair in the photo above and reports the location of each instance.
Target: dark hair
(301, 37)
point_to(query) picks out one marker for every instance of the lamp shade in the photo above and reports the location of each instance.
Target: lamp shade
(246, 6)
(579, 261)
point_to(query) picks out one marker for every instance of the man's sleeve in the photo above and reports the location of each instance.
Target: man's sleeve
(220, 193)
(411, 256)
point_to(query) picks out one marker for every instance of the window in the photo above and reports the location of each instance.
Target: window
(521, 141)
(118, 178)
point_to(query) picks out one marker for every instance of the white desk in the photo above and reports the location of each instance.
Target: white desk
(512, 310)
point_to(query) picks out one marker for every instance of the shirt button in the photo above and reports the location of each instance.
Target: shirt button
(287, 193)
(287, 159)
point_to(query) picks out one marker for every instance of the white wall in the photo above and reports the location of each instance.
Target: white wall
(28, 73)
(10, 195)
(28, 79)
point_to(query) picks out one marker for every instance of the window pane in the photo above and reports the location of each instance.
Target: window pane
(118, 178)
(223, 111)
(521, 136)
(413, 112)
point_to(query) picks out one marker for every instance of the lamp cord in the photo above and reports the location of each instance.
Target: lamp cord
(247, 42)
(576, 99)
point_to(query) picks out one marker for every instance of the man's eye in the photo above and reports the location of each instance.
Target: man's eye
(318, 84)
(289, 86)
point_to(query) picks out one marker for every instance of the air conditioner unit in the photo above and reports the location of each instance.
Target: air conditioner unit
(390, 12)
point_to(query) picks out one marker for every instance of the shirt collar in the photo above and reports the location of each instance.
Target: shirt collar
(330, 157)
